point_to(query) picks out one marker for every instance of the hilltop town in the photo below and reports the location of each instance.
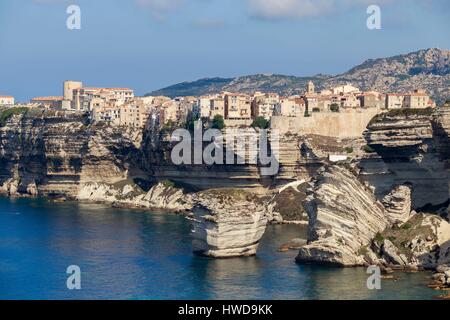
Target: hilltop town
(120, 106)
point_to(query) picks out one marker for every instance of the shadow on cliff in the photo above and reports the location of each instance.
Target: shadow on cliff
(157, 161)
(440, 254)
(421, 164)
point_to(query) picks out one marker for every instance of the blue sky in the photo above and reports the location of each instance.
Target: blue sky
(149, 44)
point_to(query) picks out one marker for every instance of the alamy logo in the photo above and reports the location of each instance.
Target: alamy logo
(74, 280)
(233, 146)
(374, 19)
(74, 20)
(374, 281)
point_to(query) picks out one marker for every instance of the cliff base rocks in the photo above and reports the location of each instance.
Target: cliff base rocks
(159, 196)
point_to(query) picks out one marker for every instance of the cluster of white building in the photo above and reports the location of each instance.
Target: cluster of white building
(237, 106)
(119, 106)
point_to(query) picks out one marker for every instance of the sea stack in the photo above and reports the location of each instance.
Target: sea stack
(227, 223)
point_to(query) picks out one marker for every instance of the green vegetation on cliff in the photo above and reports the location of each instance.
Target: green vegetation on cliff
(218, 122)
(8, 113)
(260, 122)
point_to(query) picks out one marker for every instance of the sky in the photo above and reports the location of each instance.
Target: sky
(150, 44)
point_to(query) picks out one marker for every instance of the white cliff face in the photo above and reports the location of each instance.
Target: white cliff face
(411, 147)
(349, 227)
(398, 205)
(344, 216)
(158, 197)
(227, 223)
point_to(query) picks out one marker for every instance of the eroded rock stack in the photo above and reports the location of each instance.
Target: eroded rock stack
(227, 223)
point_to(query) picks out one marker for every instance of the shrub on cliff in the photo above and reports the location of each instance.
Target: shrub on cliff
(260, 122)
(334, 107)
(168, 183)
(409, 112)
(368, 149)
(218, 122)
(8, 113)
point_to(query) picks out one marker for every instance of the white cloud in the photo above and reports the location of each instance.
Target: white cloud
(159, 8)
(296, 9)
(279, 9)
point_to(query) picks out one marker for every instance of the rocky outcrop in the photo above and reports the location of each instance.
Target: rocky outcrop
(293, 244)
(286, 205)
(441, 131)
(227, 223)
(441, 277)
(344, 216)
(406, 151)
(129, 194)
(428, 69)
(398, 204)
(349, 227)
(423, 241)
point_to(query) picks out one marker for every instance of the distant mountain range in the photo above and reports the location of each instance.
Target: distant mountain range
(425, 69)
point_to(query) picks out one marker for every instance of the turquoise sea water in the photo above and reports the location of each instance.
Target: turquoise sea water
(129, 254)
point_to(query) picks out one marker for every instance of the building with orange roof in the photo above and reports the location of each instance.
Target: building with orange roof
(51, 102)
(83, 97)
(6, 100)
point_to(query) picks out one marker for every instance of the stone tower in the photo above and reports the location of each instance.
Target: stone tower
(310, 88)
(69, 86)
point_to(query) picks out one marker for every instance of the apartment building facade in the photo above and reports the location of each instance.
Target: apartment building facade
(237, 106)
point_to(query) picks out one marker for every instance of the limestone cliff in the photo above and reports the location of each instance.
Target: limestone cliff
(49, 153)
(398, 205)
(349, 227)
(344, 216)
(409, 147)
